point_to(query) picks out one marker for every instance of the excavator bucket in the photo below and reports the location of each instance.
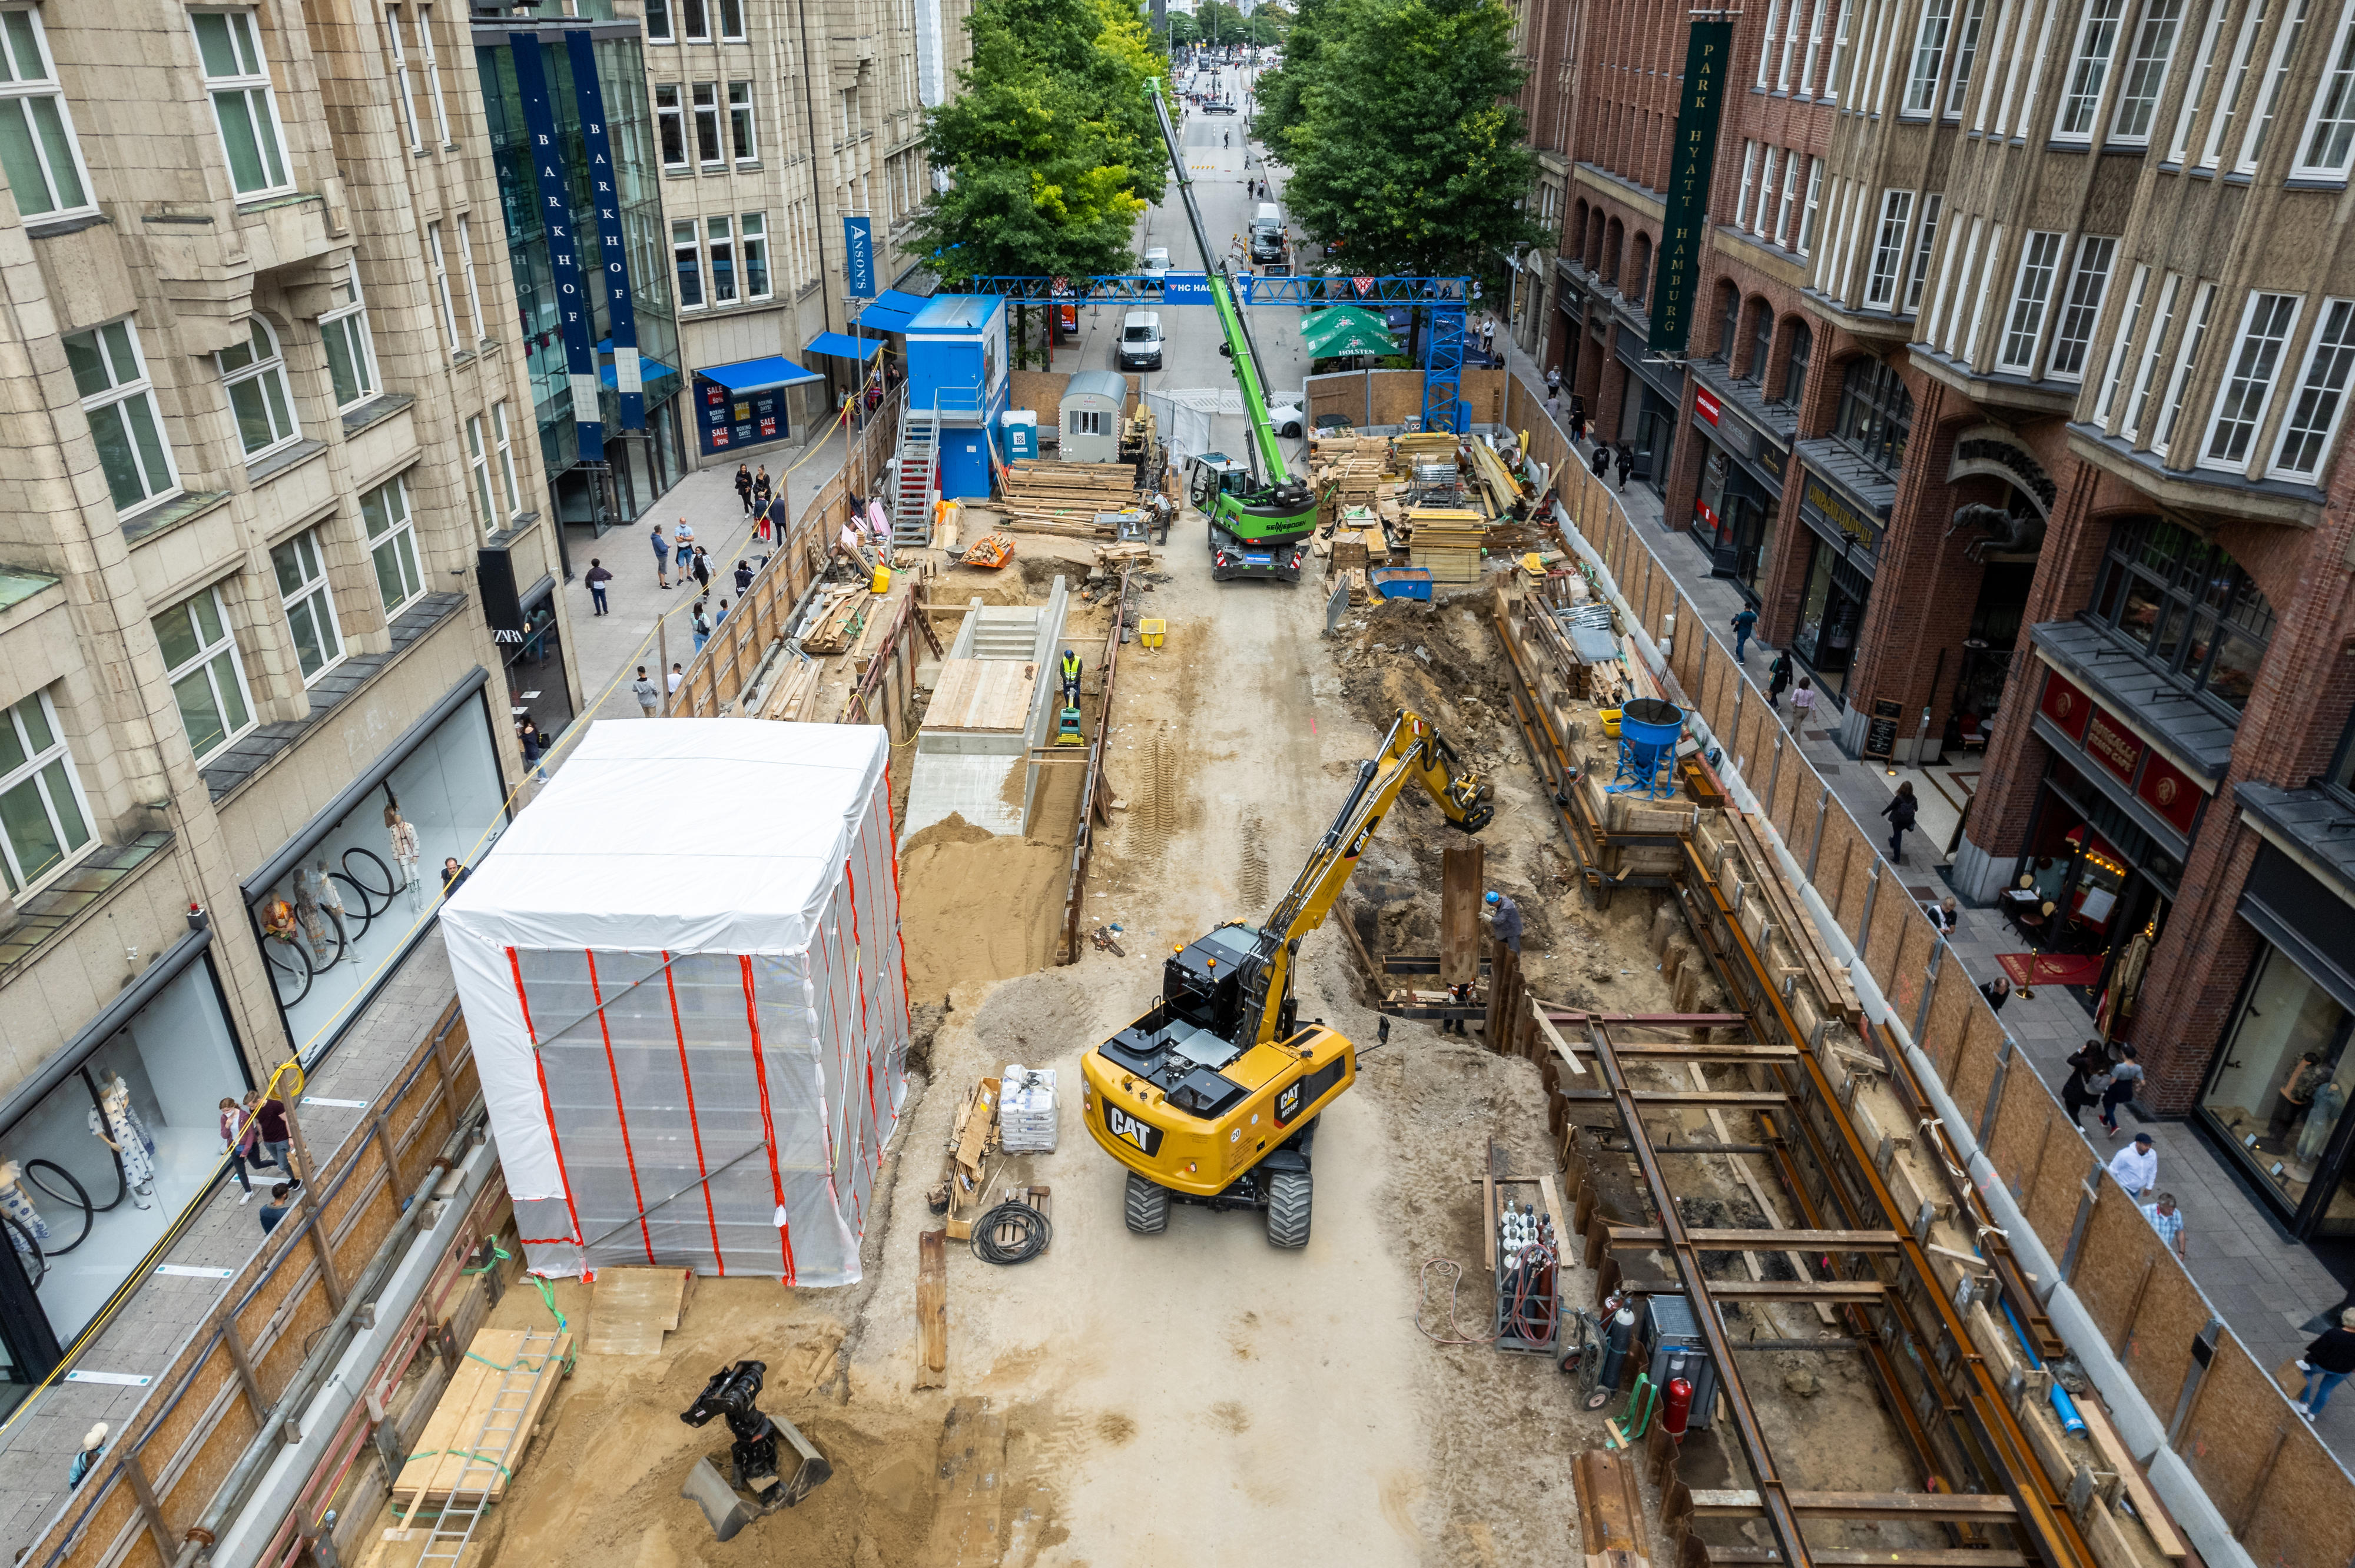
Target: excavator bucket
(799, 1470)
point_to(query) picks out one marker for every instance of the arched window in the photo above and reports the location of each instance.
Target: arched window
(1729, 319)
(2187, 607)
(256, 378)
(1876, 414)
(1577, 230)
(1795, 363)
(1594, 241)
(1762, 337)
(1639, 268)
(1612, 237)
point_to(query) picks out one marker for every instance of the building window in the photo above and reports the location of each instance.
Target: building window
(1929, 56)
(1836, 72)
(120, 403)
(1790, 201)
(2097, 42)
(1794, 365)
(2180, 144)
(207, 680)
(2236, 81)
(743, 136)
(1090, 422)
(2277, 76)
(478, 458)
(1889, 248)
(694, 22)
(467, 266)
(2082, 307)
(1814, 195)
(723, 261)
(684, 261)
(1766, 42)
(731, 21)
(351, 356)
(1923, 245)
(1876, 414)
(706, 123)
(2154, 47)
(44, 820)
(442, 285)
(1729, 328)
(658, 29)
(1766, 192)
(508, 492)
(392, 545)
(402, 94)
(2113, 376)
(1815, 47)
(431, 69)
(670, 126)
(38, 149)
(1966, 55)
(2039, 258)
(2321, 393)
(1762, 339)
(237, 79)
(2283, 1078)
(2178, 385)
(1749, 174)
(2249, 378)
(255, 376)
(310, 606)
(2330, 129)
(2139, 402)
(2186, 607)
(754, 233)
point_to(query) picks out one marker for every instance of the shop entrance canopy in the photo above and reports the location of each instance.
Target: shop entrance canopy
(759, 375)
(836, 345)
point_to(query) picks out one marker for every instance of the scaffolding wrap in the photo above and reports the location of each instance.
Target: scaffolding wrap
(682, 975)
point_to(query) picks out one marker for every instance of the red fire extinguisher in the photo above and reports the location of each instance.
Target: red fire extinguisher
(1679, 1406)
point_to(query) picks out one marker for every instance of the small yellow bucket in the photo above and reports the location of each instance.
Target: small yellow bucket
(1610, 717)
(1152, 633)
(882, 581)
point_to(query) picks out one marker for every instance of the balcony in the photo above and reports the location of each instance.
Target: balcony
(2197, 490)
(1995, 389)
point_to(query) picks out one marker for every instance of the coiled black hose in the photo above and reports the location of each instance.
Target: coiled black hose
(1033, 1233)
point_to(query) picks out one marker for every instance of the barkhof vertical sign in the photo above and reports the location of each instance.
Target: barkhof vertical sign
(572, 308)
(605, 190)
(1684, 227)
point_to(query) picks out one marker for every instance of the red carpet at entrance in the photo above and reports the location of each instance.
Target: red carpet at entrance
(2051, 969)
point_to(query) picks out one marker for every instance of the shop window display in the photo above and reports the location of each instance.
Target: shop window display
(340, 919)
(96, 1171)
(2282, 1081)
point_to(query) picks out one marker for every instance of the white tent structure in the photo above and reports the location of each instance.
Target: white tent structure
(684, 986)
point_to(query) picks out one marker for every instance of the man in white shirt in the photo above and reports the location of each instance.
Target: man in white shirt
(2136, 1166)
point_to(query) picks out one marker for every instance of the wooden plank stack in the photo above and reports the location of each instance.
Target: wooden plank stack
(634, 1307)
(840, 622)
(1065, 497)
(439, 1457)
(1445, 542)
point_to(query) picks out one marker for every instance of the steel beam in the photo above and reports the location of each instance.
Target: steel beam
(1940, 1507)
(1828, 1291)
(1903, 1557)
(1764, 1241)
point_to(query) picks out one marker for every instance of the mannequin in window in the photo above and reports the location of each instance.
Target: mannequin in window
(111, 1123)
(18, 1204)
(404, 852)
(2329, 1099)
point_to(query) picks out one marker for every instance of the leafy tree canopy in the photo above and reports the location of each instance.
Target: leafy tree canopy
(1396, 117)
(1050, 146)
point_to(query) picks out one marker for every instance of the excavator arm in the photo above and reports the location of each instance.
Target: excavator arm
(1412, 752)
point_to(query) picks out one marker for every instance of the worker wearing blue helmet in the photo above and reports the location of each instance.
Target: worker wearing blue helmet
(1505, 919)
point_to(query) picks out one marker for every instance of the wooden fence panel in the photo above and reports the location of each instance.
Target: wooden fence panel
(1855, 861)
(2239, 1424)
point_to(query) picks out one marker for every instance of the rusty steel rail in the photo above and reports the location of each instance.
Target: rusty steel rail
(1977, 1408)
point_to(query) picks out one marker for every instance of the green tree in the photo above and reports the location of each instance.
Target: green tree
(1183, 32)
(1396, 119)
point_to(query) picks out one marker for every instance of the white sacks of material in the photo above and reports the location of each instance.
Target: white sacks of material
(1026, 1109)
(683, 983)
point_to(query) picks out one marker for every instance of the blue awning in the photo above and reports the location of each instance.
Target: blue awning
(890, 311)
(836, 345)
(759, 375)
(649, 370)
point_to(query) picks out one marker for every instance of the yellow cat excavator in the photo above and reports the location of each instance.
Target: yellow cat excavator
(1212, 1096)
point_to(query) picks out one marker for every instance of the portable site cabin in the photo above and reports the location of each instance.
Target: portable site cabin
(692, 1042)
(1094, 403)
(957, 365)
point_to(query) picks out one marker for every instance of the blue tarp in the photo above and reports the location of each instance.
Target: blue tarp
(758, 374)
(835, 344)
(890, 311)
(649, 370)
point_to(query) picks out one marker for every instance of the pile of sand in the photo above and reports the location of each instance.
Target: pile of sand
(976, 907)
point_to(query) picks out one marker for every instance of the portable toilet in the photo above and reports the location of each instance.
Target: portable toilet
(1094, 403)
(958, 366)
(1018, 431)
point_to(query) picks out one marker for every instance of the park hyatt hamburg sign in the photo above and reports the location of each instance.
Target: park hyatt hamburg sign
(1684, 227)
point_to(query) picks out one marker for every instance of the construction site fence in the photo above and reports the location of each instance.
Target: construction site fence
(1094, 794)
(167, 1463)
(717, 675)
(2279, 1492)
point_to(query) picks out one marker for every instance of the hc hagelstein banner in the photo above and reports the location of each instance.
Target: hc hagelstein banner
(1684, 227)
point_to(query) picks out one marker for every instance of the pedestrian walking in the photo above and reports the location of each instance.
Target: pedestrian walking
(744, 487)
(2125, 1082)
(649, 699)
(596, 576)
(2168, 1220)
(1627, 465)
(528, 739)
(1900, 812)
(277, 1137)
(702, 569)
(454, 873)
(723, 615)
(2327, 1363)
(277, 1208)
(1803, 703)
(1601, 463)
(1778, 678)
(682, 540)
(744, 579)
(676, 676)
(1745, 623)
(1553, 378)
(1945, 915)
(701, 623)
(2136, 1166)
(760, 488)
(1998, 992)
(1553, 406)
(1489, 339)
(236, 1130)
(2089, 1075)
(86, 1457)
(662, 556)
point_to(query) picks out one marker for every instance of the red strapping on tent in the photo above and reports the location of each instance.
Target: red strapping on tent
(858, 976)
(768, 1127)
(686, 1079)
(621, 1113)
(515, 967)
(907, 991)
(548, 1241)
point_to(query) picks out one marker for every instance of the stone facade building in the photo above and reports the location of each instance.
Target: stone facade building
(271, 485)
(2017, 412)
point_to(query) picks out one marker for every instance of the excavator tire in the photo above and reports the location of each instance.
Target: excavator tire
(1289, 1196)
(1146, 1207)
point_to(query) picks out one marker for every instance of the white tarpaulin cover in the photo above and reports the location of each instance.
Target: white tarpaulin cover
(684, 986)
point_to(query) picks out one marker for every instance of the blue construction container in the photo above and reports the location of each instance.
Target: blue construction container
(958, 366)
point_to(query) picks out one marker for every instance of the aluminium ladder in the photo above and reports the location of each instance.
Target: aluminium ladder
(499, 1440)
(912, 504)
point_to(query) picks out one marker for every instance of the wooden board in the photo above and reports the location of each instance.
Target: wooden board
(633, 1309)
(437, 1463)
(982, 694)
(932, 1309)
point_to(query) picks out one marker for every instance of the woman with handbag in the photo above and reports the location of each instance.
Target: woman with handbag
(2126, 1079)
(2089, 1075)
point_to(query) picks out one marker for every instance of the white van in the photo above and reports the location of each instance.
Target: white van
(1140, 341)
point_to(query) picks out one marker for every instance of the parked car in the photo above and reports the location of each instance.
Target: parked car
(1157, 264)
(1287, 419)
(1219, 106)
(1140, 341)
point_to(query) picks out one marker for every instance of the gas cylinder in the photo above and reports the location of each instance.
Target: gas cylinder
(1616, 1346)
(1679, 1406)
